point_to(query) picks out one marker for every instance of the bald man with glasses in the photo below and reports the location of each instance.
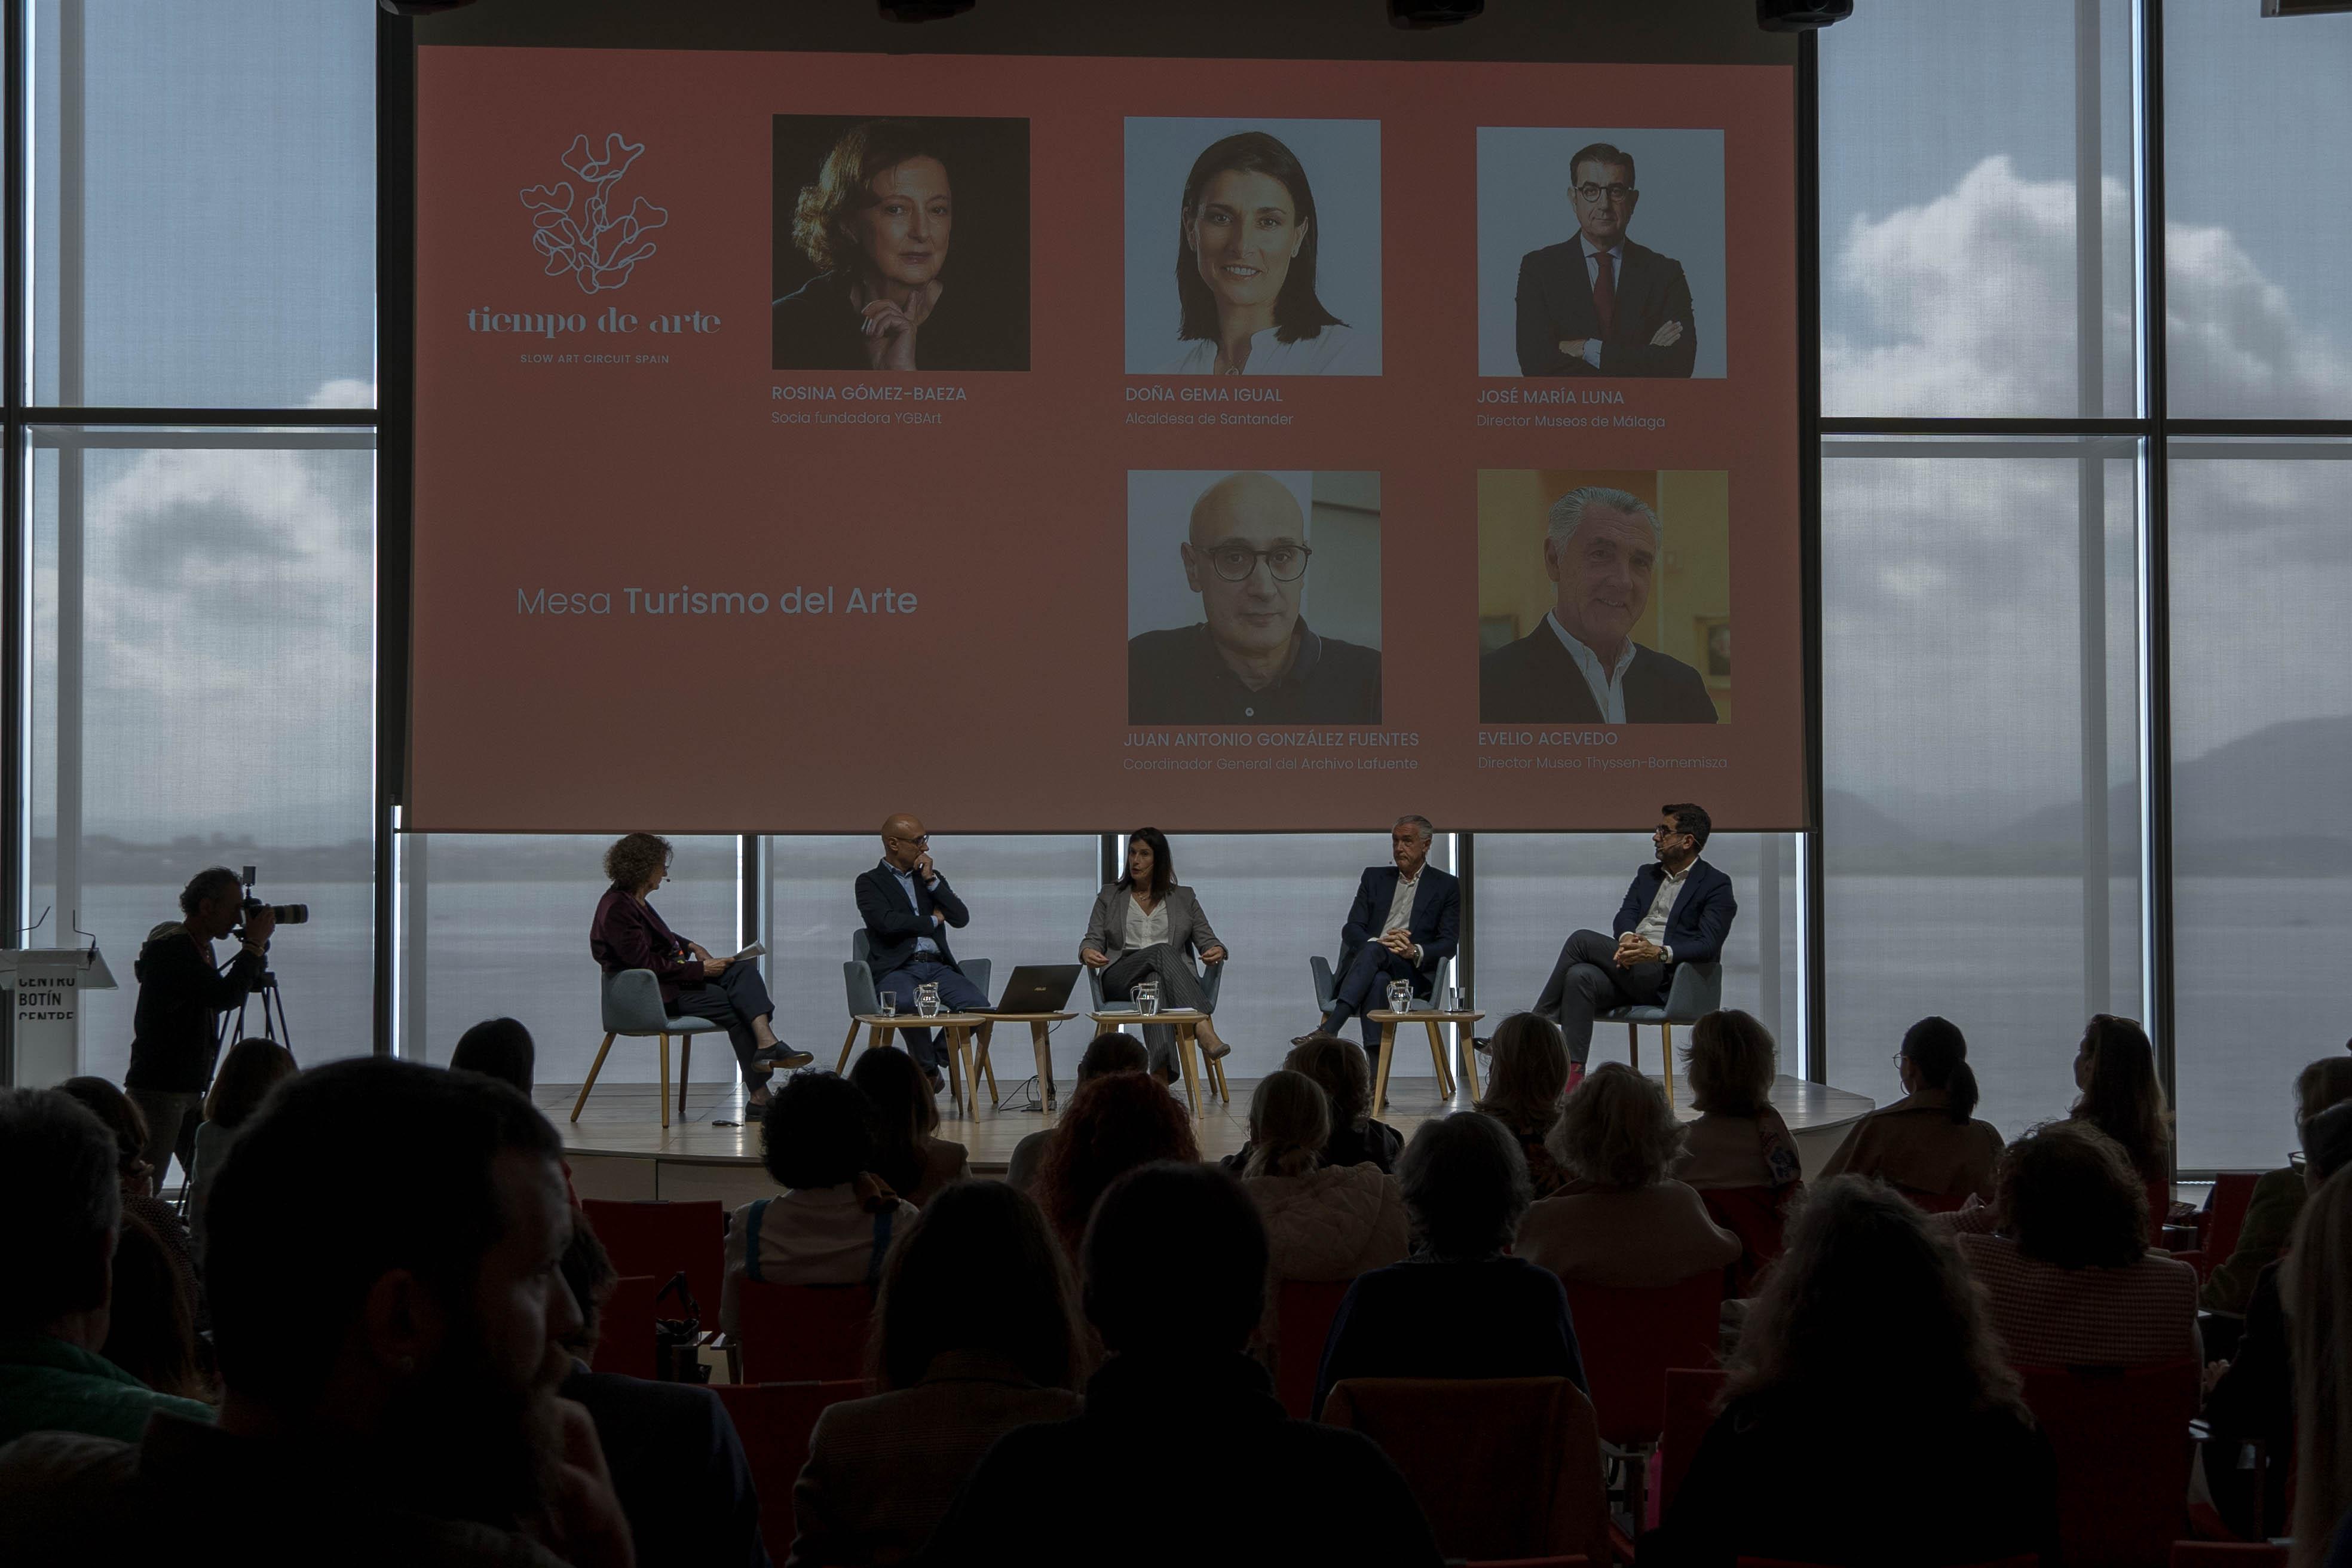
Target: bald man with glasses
(1252, 658)
(1678, 910)
(908, 909)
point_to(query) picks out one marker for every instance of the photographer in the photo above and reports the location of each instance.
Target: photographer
(174, 1032)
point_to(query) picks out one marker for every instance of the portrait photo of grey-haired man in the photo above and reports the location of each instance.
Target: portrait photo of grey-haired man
(1602, 549)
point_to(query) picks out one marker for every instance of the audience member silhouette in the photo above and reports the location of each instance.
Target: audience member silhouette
(1175, 1268)
(1322, 1222)
(918, 1165)
(976, 1332)
(499, 1049)
(2278, 1196)
(1108, 1052)
(59, 1225)
(834, 1222)
(2069, 1278)
(1868, 1343)
(1738, 1154)
(1623, 1221)
(1926, 1145)
(677, 1463)
(1461, 1306)
(2115, 1067)
(1526, 1075)
(1113, 1125)
(136, 1178)
(252, 1067)
(390, 1350)
(2317, 1282)
(1339, 1067)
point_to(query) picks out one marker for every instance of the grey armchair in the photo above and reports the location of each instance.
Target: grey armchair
(857, 982)
(1697, 990)
(633, 1006)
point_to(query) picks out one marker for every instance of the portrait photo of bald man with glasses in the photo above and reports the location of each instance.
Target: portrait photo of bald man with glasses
(1263, 609)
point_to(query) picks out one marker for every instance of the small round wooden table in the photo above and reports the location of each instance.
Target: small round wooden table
(1459, 1018)
(1184, 1021)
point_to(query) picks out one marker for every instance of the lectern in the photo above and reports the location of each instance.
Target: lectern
(45, 986)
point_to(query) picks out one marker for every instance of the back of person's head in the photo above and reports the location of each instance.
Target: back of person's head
(1115, 1050)
(127, 1124)
(1730, 1062)
(589, 1274)
(818, 1132)
(904, 1112)
(62, 1212)
(151, 1326)
(2318, 1281)
(1113, 1124)
(1529, 1071)
(1617, 1131)
(2121, 1095)
(1341, 1070)
(351, 1172)
(2326, 1143)
(248, 1073)
(1290, 1122)
(2067, 1194)
(980, 1271)
(1869, 1306)
(499, 1049)
(1940, 1058)
(1175, 1261)
(2320, 1084)
(1465, 1186)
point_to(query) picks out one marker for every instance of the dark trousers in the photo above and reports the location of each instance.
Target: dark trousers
(734, 999)
(1178, 987)
(171, 1123)
(1364, 986)
(1586, 981)
(957, 994)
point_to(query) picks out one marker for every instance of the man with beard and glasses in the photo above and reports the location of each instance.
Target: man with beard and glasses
(382, 1250)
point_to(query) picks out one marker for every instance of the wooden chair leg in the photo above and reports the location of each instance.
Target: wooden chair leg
(958, 1073)
(594, 1068)
(665, 1082)
(981, 1064)
(1437, 1059)
(1633, 1045)
(1468, 1051)
(1039, 1043)
(848, 1043)
(1381, 1068)
(1187, 1056)
(684, 1070)
(1667, 1051)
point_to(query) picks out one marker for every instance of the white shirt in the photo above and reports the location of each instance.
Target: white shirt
(1145, 931)
(1652, 929)
(1401, 906)
(1593, 255)
(1334, 351)
(1608, 685)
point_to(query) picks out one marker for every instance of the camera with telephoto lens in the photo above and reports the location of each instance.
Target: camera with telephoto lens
(285, 914)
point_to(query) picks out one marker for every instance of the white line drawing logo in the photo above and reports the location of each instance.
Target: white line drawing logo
(597, 248)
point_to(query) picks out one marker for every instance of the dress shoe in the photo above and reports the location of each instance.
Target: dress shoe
(1302, 1039)
(1215, 1053)
(936, 1078)
(786, 1057)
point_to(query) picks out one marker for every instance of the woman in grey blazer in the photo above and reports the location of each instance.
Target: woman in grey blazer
(1146, 926)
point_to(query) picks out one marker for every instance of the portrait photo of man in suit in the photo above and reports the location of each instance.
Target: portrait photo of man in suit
(1601, 303)
(1604, 553)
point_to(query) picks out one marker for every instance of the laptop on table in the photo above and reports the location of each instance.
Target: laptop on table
(1036, 988)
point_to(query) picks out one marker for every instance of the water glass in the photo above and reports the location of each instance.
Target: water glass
(1147, 998)
(1399, 996)
(927, 1000)
(889, 1000)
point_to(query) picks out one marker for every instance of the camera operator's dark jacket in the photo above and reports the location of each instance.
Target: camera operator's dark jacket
(172, 1039)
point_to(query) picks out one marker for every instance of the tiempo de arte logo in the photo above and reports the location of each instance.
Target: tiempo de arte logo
(597, 248)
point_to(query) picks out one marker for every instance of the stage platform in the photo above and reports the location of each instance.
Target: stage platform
(618, 1148)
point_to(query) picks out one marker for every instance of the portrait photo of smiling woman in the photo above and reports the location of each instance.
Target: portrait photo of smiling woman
(1275, 253)
(901, 245)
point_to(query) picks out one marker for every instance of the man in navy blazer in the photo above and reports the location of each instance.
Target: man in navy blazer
(908, 908)
(1406, 920)
(1678, 910)
(1599, 305)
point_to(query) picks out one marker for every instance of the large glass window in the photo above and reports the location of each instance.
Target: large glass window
(2262, 745)
(1980, 702)
(205, 220)
(202, 693)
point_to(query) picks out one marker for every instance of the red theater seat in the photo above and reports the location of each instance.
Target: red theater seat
(1302, 1323)
(774, 1420)
(2123, 1447)
(800, 1333)
(624, 1336)
(664, 1239)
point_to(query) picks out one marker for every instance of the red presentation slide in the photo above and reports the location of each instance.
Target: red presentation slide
(1060, 444)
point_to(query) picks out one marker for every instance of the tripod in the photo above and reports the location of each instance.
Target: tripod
(274, 1026)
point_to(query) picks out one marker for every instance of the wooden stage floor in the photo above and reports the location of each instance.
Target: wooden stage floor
(618, 1148)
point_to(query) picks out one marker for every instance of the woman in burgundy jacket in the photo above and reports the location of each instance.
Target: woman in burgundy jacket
(628, 934)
